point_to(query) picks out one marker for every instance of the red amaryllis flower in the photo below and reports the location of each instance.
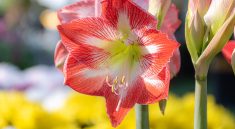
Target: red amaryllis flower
(89, 8)
(228, 50)
(119, 56)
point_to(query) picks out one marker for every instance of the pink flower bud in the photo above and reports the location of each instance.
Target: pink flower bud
(218, 13)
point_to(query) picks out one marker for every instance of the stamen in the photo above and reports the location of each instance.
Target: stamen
(126, 85)
(115, 92)
(107, 81)
(115, 80)
(119, 104)
(112, 88)
(117, 85)
(123, 79)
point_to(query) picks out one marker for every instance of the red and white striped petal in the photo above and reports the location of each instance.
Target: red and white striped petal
(82, 78)
(92, 56)
(124, 104)
(157, 50)
(170, 24)
(89, 31)
(60, 55)
(228, 50)
(136, 16)
(156, 87)
(171, 21)
(81, 9)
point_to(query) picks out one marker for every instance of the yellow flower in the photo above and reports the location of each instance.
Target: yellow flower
(87, 112)
(17, 111)
(179, 113)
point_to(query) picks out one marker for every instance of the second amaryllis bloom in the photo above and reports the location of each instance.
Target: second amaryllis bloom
(119, 55)
(229, 53)
(228, 50)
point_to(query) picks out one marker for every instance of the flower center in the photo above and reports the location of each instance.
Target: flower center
(125, 54)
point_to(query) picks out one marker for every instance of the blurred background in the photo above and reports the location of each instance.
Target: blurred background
(32, 94)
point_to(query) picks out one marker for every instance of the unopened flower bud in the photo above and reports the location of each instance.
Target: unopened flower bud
(201, 6)
(218, 13)
(159, 9)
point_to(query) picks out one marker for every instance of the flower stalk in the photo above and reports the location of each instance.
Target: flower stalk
(208, 27)
(142, 116)
(200, 111)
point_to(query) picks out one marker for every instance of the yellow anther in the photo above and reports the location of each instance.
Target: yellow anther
(115, 81)
(123, 79)
(112, 88)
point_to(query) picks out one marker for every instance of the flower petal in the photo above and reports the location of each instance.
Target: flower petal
(170, 24)
(112, 102)
(228, 50)
(171, 21)
(81, 9)
(175, 63)
(60, 55)
(136, 16)
(83, 79)
(157, 50)
(89, 31)
(156, 87)
(93, 57)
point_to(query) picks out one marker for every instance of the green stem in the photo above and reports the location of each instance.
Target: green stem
(142, 116)
(200, 112)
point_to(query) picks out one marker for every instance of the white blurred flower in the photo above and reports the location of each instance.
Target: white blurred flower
(47, 86)
(9, 127)
(55, 100)
(55, 4)
(11, 77)
(40, 83)
(44, 79)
